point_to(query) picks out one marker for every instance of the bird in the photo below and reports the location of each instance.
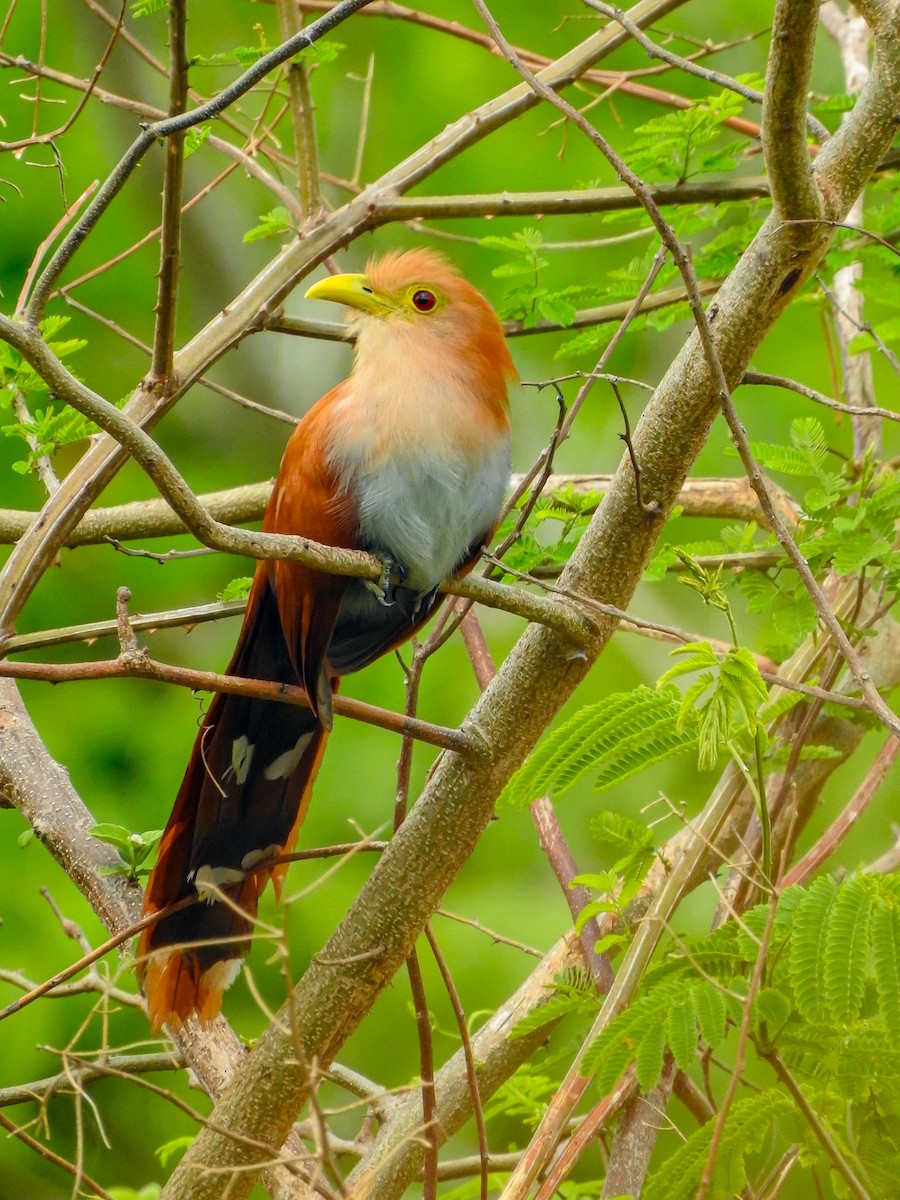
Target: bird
(408, 459)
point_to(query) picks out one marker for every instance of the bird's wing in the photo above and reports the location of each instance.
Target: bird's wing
(308, 501)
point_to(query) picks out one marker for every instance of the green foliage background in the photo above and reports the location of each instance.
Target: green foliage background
(125, 743)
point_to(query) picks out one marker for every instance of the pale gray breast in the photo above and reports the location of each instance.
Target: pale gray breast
(426, 511)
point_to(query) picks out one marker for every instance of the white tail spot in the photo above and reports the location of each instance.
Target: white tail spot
(221, 975)
(209, 880)
(285, 764)
(254, 857)
(241, 758)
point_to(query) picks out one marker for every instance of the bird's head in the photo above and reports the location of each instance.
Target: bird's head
(417, 303)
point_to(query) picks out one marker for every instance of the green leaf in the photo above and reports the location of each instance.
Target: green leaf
(617, 737)
(794, 616)
(589, 341)
(555, 1008)
(888, 331)
(626, 836)
(886, 961)
(524, 241)
(236, 589)
(558, 310)
(112, 835)
(709, 1005)
(746, 1130)
(176, 1146)
(195, 138)
(773, 1007)
(594, 909)
(146, 8)
(840, 103)
(681, 1033)
(847, 948)
(133, 848)
(238, 56)
(759, 590)
(275, 223)
(807, 951)
(648, 1060)
(611, 941)
(525, 266)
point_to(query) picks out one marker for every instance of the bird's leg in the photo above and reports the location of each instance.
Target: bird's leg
(384, 587)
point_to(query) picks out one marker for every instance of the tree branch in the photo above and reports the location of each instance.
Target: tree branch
(137, 664)
(794, 192)
(170, 240)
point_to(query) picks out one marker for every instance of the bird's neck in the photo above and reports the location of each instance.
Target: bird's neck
(410, 394)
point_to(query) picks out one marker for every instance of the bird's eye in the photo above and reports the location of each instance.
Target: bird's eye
(424, 300)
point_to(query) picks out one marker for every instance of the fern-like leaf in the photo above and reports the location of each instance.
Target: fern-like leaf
(611, 1052)
(808, 949)
(552, 1010)
(886, 961)
(619, 736)
(648, 1058)
(681, 1032)
(847, 948)
(709, 1005)
(746, 1130)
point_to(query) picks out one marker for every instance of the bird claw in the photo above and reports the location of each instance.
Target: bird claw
(383, 587)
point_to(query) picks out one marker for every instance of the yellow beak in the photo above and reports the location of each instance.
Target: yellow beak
(353, 290)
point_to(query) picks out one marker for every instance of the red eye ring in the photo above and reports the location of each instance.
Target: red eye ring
(424, 300)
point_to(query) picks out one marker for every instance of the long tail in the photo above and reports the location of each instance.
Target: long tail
(242, 801)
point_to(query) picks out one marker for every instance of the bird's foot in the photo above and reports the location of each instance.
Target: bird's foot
(384, 587)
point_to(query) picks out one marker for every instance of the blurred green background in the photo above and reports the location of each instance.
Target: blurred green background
(125, 742)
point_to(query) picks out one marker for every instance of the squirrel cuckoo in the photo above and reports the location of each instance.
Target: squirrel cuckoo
(407, 459)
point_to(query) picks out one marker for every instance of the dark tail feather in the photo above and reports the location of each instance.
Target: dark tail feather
(242, 801)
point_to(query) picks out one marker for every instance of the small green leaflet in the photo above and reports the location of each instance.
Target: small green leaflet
(133, 848)
(195, 138)
(236, 589)
(275, 223)
(146, 8)
(725, 698)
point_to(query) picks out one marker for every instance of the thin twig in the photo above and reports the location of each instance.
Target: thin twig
(654, 50)
(484, 1153)
(46, 1153)
(303, 122)
(58, 1085)
(170, 240)
(140, 666)
(828, 842)
(165, 129)
(649, 506)
(756, 981)
(758, 379)
(829, 1145)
